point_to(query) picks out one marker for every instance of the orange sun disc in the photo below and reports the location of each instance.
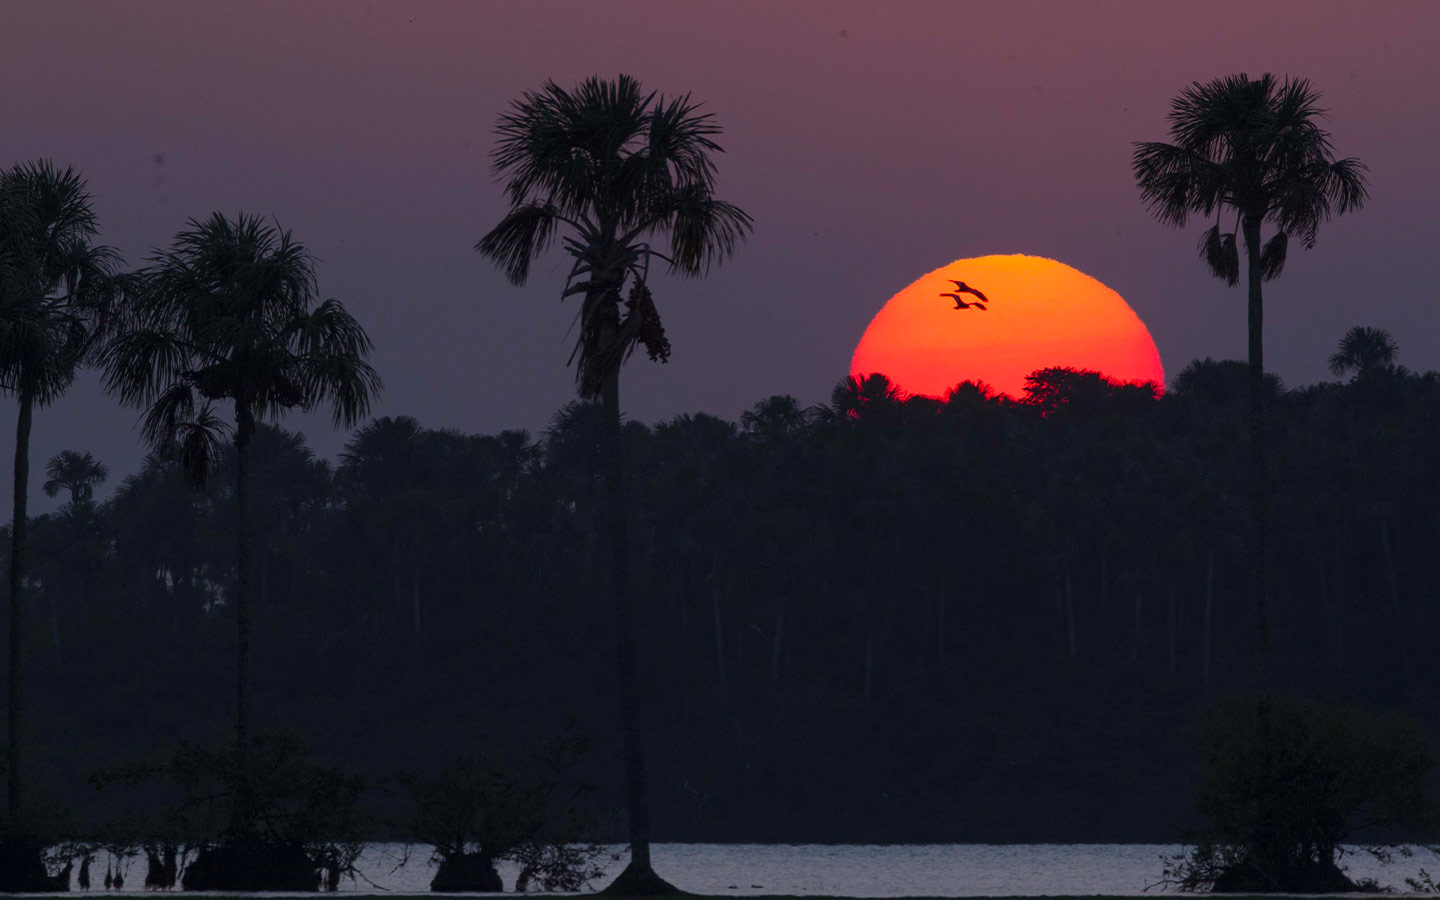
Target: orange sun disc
(1037, 313)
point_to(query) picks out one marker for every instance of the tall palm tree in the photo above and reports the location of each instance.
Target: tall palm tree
(54, 283)
(617, 168)
(1364, 350)
(230, 313)
(77, 473)
(1251, 153)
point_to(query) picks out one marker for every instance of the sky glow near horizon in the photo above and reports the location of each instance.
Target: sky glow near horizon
(868, 141)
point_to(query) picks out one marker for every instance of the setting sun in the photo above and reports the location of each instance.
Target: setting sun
(1036, 313)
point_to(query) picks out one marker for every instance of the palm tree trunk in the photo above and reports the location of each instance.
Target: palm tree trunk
(55, 621)
(1209, 608)
(941, 602)
(243, 815)
(1135, 627)
(719, 622)
(1260, 538)
(637, 799)
(1104, 579)
(1394, 582)
(15, 719)
(1070, 637)
(415, 604)
(776, 645)
(869, 662)
(1171, 627)
(940, 628)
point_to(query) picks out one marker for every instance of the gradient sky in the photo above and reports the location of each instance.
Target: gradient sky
(871, 142)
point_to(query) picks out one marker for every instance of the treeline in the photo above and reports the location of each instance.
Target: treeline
(884, 619)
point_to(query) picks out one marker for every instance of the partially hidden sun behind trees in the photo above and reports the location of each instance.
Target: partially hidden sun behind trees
(617, 167)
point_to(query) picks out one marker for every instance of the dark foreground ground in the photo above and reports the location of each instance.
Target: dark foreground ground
(431, 896)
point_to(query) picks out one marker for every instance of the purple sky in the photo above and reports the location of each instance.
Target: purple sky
(871, 143)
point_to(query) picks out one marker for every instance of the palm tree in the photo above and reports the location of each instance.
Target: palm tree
(868, 398)
(1364, 350)
(77, 473)
(616, 167)
(230, 313)
(1254, 149)
(53, 284)
(775, 418)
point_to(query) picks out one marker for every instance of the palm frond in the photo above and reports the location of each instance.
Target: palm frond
(137, 364)
(198, 444)
(172, 407)
(1346, 184)
(331, 330)
(521, 236)
(1221, 254)
(705, 231)
(343, 380)
(1176, 181)
(1272, 256)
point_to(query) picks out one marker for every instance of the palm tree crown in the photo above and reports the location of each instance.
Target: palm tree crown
(1364, 350)
(1254, 147)
(866, 397)
(75, 472)
(54, 280)
(618, 167)
(230, 313)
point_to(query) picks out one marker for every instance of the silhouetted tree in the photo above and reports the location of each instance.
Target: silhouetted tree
(1254, 149)
(53, 282)
(75, 473)
(872, 399)
(1363, 351)
(775, 418)
(477, 812)
(230, 313)
(616, 166)
(1335, 773)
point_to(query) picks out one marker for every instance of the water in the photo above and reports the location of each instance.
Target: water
(925, 870)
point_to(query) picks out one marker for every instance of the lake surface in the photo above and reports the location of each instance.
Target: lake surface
(926, 870)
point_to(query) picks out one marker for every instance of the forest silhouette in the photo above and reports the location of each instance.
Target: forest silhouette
(882, 619)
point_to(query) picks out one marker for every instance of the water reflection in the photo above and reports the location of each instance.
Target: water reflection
(923, 870)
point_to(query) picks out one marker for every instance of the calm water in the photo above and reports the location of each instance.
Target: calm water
(933, 870)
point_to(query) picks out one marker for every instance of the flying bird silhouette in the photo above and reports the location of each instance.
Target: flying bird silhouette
(963, 288)
(961, 304)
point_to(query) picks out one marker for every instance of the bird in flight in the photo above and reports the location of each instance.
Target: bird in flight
(963, 288)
